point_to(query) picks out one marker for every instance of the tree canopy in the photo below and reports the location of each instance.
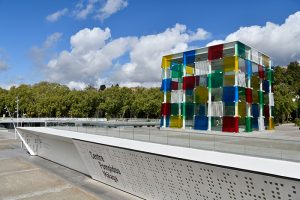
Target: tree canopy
(46, 99)
(286, 88)
(54, 100)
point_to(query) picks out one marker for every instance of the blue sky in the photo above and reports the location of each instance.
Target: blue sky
(32, 36)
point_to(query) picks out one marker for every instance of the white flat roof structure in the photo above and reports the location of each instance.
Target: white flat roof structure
(249, 163)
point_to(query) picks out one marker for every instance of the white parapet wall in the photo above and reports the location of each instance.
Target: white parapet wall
(156, 171)
(53, 147)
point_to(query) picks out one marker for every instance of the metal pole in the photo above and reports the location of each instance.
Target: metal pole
(297, 98)
(17, 101)
(7, 110)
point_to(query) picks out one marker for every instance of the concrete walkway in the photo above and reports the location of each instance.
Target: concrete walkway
(25, 177)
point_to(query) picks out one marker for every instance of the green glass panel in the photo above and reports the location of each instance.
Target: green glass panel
(266, 98)
(216, 123)
(271, 75)
(188, 111)
(216, 94)
(216, 79)
(272, 111)
(175, 109)
(261, 97)
(242, 94)
(180, 80)
(241, 49)
(176, 74)
(177, 67)
(189, 96)
(229, 109)
(242, 121)
(248, 124)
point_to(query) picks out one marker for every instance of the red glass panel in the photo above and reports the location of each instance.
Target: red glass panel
(174, 85)
(266, 111)
(166, 109)
(215, 52)
(248, 95)
(230, 124)
(197, 80)
(188, 82)
(261, 72)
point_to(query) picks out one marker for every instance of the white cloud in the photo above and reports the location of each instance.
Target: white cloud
(145, 57)
(97, 59)
(39, 54)
(91, 54)
(280, 41)
(3, 60)
(56, 15)
(111, 7)
(89, 40)
(8, 86)
(77, 85)
(200, 34)
(52, 39)
(3, 65)
(99, 9)
(84, 8)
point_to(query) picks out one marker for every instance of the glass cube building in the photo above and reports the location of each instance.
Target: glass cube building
(226, 87)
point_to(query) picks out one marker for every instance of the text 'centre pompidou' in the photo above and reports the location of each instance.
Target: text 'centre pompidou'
(226, 87)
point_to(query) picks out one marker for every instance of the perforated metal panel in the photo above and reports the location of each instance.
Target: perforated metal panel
(157, 177)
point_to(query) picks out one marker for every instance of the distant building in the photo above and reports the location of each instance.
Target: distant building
(226, 87)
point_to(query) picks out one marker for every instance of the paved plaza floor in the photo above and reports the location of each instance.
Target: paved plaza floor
(25, 177)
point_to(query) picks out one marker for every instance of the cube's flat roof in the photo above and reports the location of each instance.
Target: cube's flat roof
(225, 43)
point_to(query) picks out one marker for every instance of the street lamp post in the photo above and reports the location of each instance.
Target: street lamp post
(297, 98)
(7, 111)
(17, 110)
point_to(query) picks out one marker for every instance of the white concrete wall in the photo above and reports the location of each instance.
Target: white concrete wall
(57, 149)
(164, 175)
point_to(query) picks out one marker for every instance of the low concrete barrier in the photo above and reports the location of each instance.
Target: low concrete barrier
(157, 171)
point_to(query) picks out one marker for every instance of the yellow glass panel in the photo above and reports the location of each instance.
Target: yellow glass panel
(266, 61)
(229, 80)
(201, 94)
(255, 82)
(230, 64)
(175, 122)
(271, 124)
(242, 109)
(255, 96)
(166, 61)
(189, 70)
(168, 97)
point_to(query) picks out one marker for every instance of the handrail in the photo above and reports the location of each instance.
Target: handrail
(237, 144)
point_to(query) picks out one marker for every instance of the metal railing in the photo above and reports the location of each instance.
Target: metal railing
(237, 144)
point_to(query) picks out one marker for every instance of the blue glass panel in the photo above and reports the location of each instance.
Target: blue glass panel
(201, 123)
(166, 85)
(266, 86)
(167, 121)
(255, 123)
(248, 68)
(255, 110)
(230, 94)
(189, 57)
(200, 110)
